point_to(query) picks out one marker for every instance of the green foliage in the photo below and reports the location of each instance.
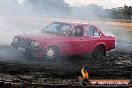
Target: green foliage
(127, 12)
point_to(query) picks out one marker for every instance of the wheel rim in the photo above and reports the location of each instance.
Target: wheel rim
(50, 53)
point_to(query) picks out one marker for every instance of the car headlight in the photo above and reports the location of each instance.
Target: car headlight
(15, 39)
(35, 44)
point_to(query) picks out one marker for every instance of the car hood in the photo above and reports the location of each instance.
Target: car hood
(39, 36)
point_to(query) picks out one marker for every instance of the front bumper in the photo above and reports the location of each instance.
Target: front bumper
(37, 52)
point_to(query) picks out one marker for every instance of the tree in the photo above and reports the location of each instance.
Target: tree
(127, 12)
(49, 5)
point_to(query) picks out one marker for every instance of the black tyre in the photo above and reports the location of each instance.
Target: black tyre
(52, 53)
(99, 52)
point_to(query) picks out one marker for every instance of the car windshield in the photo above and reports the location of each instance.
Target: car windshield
(58, 28)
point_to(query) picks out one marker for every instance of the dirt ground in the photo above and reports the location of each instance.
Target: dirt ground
(32, 72)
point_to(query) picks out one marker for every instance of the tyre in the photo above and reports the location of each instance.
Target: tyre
(52, 53)
(99, 52)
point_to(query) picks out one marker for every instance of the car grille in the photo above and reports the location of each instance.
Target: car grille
(24, 42)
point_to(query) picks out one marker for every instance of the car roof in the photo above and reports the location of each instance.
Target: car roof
(74, 23)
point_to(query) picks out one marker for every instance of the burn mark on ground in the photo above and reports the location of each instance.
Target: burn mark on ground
(20, 71)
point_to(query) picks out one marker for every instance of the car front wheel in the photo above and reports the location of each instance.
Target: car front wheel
(52, 53)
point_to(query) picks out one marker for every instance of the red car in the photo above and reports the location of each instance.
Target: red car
(61, 39)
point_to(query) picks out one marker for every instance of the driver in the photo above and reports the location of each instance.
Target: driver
(78, 31)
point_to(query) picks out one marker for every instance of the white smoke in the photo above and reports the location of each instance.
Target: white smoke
(21, 1)
(7, 31)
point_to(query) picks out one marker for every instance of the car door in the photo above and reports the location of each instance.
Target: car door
(92, 36)
(76, 43)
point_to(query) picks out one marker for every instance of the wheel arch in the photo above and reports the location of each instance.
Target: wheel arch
(100, 44)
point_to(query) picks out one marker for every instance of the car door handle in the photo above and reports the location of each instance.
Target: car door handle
(98, 38)
(81, 38)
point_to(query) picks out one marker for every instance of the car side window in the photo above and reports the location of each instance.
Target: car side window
(96, 33)
(91, 31)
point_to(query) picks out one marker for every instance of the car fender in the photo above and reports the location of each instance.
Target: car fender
(99, 43)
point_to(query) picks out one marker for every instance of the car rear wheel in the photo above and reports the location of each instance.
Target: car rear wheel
(52, 53)
(99, 52)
